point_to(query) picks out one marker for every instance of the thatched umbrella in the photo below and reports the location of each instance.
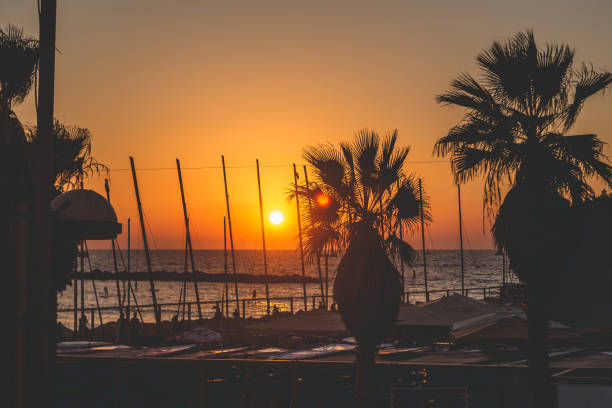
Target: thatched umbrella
(368, 291)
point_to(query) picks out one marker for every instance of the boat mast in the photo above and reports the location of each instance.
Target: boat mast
(229, 223)
(401, 236)
(225, 266)
(312, 225)
(461, 242)
(263, 238)
(297, 202)
(423, 240)
(189, 246)
(146, 248)
(120, 303)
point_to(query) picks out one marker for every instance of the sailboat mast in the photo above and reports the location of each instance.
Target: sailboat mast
(229, 224)
(188, 235)
(312, 225)
(225, 266)
(461, 242)
(119, 302)
(297, 203)
(423, 240)
(263, 238)
(146, 248)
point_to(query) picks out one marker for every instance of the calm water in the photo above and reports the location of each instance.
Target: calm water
(482, 268)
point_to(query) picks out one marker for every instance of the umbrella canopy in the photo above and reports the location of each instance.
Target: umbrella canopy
(85, 214)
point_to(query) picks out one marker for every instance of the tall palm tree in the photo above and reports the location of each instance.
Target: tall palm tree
(514, 135)
(19, 56)
(367, 196)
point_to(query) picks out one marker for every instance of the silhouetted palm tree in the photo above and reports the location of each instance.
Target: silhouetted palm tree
(514, 134)
(19, 59)
(368, 196)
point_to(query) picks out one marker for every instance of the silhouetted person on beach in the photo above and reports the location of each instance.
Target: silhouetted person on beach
(275, 311)
(121, 328)
(333, 307)
(175, 323)
(134, 328)
(254, 293)
(218, 313)
(236, 313)
(83, 326)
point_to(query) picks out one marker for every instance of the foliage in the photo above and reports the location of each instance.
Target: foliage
(19, 56)
(72, 159)
(517, 117)
(365, 183)
(514, 134)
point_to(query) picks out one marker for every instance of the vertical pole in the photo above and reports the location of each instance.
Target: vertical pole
(297, 203)
(35, 311)
(263, 238)
(185, 272)
(401, 236)
(312, 225)
(229, 224)
(146, 248)
(225, 267)
(95, 291)
(503, 268)
(193, 270)
(93, 319)
(461, 240)
(119, 303)
(129, 283)
(82, 281)
(423, 240)
(75, 289)
(326, 281)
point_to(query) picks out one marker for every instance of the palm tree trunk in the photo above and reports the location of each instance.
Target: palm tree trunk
(365, 387)
(541, 389)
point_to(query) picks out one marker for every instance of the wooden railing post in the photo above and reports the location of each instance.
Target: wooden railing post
(243, 309)
(189, 312)
(291, 304)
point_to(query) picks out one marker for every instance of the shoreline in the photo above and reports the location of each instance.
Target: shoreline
(97, 274)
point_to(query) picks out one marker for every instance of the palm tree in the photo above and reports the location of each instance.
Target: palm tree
(19, 56)
(367, 196)
(514, 134)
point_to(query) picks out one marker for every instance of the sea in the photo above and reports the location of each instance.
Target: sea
(483, 268)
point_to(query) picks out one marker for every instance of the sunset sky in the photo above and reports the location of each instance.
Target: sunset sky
(161, 80)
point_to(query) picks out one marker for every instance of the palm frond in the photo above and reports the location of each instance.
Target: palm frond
(588, 83)
(400, 248)
(19, 56)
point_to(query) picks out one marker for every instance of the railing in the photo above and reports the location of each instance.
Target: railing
(257, 307)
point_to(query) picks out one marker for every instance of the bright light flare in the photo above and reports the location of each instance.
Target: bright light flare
(276, 217)
(322, 200)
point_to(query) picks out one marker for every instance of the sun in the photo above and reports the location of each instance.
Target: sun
(276, 217)
(322, 200)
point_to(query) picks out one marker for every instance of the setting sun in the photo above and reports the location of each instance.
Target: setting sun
(276, 217)
(322, 200)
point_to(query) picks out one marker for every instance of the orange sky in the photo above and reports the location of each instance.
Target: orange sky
(161, 80)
